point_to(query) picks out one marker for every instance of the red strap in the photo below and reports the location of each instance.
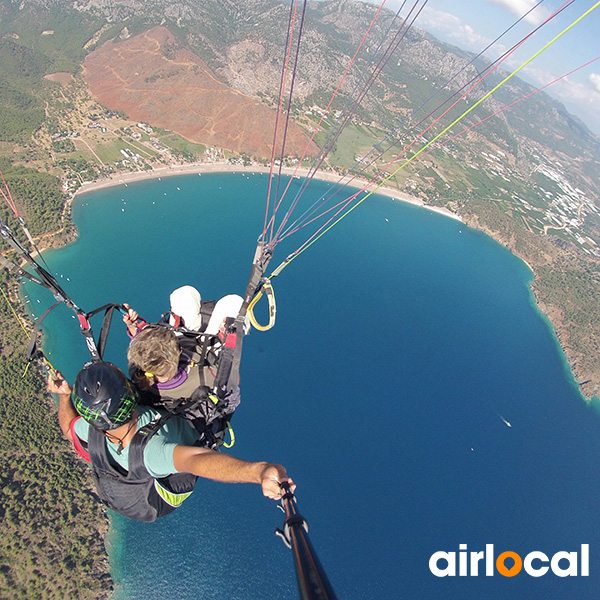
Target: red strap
(83, 322)
(77, 442)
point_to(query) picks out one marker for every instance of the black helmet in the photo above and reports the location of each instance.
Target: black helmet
(103, 396)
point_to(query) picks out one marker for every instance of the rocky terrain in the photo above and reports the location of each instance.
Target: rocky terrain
(151, 78)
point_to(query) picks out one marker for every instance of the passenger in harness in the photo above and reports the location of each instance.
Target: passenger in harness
(181, 380)
(176, 361)
(145, 462)
(189, 312)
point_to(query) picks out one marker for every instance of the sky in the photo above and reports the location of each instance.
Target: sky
(474, 24)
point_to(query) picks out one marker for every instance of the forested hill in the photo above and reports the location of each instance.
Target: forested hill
(52, 525)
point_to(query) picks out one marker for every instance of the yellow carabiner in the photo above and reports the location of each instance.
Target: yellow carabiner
(50, 368)
(266, 288)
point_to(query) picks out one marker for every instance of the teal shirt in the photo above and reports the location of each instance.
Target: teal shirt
(158, 454)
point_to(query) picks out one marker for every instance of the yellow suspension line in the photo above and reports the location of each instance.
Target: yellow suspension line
(49, 365)
(14, 311)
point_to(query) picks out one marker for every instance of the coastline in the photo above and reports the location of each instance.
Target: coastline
(357, 183)
(559, 331)
(224, 167)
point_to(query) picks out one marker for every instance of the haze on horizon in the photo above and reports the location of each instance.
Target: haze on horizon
(474, 24)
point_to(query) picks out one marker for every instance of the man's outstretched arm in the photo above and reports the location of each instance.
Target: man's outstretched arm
(226, 468)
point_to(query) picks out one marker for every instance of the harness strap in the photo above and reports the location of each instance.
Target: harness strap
(137, 468)
(108, 314)
(31, 348)
(234, 374)
(207, 349)
(206, 309)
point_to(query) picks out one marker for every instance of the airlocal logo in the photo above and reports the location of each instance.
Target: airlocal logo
(509, 563)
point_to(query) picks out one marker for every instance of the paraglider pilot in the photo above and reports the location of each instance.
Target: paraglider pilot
(144, 460)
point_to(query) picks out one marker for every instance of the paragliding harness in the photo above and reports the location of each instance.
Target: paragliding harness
(133, 493)
(227, 346)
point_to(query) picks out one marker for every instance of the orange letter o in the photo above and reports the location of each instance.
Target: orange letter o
(515, 569)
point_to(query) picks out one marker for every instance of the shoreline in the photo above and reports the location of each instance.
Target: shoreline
(224, 167)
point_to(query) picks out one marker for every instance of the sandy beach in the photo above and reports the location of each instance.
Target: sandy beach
(224, 167)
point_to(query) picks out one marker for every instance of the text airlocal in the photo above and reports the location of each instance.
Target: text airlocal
(509, 563)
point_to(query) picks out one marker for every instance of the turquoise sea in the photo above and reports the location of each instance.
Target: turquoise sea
(405, 343)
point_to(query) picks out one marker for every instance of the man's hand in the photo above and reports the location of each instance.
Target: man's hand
(66, 411)
(272, 477)
(228, 469)
(130, 319)
(59, 385)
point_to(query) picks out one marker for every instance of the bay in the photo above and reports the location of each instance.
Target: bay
(405, 342)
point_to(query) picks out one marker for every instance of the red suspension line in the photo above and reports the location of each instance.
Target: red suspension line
(362, 93)
(287, 54)
(8, 196)
(326, 111)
